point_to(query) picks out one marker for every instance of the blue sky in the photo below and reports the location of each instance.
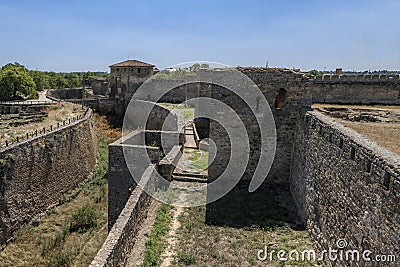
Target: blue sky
(91, 35)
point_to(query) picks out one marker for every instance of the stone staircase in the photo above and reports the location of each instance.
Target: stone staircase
(190, 139)
(189, 177)
(183, 175)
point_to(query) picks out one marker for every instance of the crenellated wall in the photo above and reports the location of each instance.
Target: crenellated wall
(356, 89)
(37, 172)
(346, 187)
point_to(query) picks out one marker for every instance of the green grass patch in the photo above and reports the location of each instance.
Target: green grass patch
(188, 114)
(184, 106)
(186, 259)
(199, 160)
(156, 243)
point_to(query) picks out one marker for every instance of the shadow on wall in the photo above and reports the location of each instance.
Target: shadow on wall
(268, 207)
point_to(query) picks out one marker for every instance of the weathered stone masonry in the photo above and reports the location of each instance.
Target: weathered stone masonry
(346, 187)
(356, 89)
(36, 173)
(123, 234)
(270, 82)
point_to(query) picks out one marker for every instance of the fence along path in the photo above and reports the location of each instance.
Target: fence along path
(27, 103)
(44, 130)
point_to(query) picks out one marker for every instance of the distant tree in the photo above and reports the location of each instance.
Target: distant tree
(41, 79)
(195, 67)
(16, 83)
(61, 82)
(87, 78)
(73, 80)
(315, 72)
(52, 76)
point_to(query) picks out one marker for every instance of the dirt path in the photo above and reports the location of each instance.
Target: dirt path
(172, 240)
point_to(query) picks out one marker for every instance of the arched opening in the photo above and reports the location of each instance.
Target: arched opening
(280, 99)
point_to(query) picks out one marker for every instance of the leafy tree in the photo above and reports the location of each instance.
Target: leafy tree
(315, 72)
(16, 83)
(41, 79)
(87, 78)
(53, 80)
(73, 80)
(61, 82)
(195, 67)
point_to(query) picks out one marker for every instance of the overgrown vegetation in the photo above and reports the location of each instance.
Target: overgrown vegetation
(156, 244)
(72, 233)
(83, 219)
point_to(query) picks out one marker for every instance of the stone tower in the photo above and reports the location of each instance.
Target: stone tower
(125, 79)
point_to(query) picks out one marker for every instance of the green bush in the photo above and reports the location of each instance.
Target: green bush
(83, 219)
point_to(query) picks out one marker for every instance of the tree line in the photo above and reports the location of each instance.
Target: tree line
(17, 82)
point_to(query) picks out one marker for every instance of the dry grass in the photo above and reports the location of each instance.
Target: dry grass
(104, 130)
(52, 242)
(231, 232)
(55, 114)
(34, 246)
(385, 134)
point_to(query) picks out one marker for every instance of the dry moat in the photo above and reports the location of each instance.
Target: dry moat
(68, 197)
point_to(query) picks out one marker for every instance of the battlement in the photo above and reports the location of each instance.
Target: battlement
(362, 78)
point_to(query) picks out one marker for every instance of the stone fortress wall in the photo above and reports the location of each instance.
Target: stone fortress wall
(346, 187)
(356, 89)
(312, 160)
(21, 109)
(37, 172)
(290, 94)
(70, 93)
